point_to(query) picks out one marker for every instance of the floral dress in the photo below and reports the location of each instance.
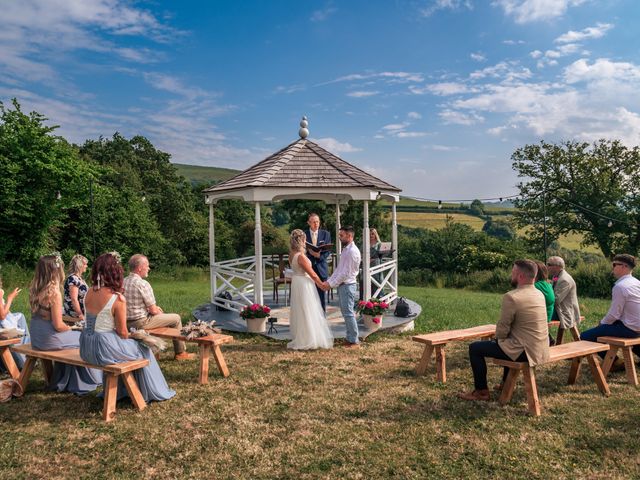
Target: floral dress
(82, 292)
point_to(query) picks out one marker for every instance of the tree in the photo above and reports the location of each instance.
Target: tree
(593, 190)
(476, 208)
(499, 229)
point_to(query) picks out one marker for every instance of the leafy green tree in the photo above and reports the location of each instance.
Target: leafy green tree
(499, 229)
(593, 190)
(476, 208)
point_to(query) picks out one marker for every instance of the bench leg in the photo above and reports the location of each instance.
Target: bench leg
(222, 364)
(509, 386)
(204, 363)
(25, 374)
(560, 336)
(630, 366)
(610, 356)
(110, 382)
(596, 372)
(575, 333)
(531, 388)
(134, 391)
(421, 369)
(574, 371)
(10, 363)
(441, 364)
(47, 370)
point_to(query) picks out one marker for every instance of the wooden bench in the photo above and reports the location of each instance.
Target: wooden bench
(7, 359)
(626, 344)
(208, 344)
(439, 340)
(575, 333)
(72, 357)
(574, 350)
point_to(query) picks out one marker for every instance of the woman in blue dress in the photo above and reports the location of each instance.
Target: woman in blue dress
(13, 320)
(48, 331)
(75, 288)
(105, 338)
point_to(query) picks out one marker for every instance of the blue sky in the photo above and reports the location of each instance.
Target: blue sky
(433, 96)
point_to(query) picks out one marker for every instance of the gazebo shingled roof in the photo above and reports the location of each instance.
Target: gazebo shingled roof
(303, 165)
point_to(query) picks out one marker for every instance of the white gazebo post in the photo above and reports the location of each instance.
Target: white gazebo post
(394, 244)
(257, 283)
(366, 276)
(212, 253)
(338, 225)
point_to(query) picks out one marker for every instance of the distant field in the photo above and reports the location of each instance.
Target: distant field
(199, 174)
(434, 221)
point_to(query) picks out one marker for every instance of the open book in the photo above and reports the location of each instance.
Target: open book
(324, 247)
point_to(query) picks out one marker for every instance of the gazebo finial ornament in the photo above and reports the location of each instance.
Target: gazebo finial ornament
(304, 131)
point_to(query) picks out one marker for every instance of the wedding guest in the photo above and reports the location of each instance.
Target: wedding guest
(142, 311)
(566, 308)
(105, 338)
(316, 236)
(542, 284)
(13, 320)
(75, 288)
(48, 331)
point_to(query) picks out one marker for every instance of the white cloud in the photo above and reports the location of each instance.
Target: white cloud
(323, 14)
(362, 93)
(588, 33)
(414, 115)
(289, 88)
(478, 57)
(602, 70)
(459, 118)
(535, 54)
(336, 146)
(508, 71)
(390, 77)
(437, 5)
(513, 42)
(442, 89)
(411, 134)
(395, 126)
(524, 11)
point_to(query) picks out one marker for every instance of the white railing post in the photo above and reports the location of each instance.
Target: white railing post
(337, 239)
(258, 249)
(394, 243)
(212, 253)
(366, 276)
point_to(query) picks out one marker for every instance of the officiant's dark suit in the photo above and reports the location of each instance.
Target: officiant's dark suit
(319, 265)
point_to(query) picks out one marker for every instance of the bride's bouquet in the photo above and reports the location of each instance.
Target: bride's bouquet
(255, 311)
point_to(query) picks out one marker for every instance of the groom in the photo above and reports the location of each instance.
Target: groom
(344, 277)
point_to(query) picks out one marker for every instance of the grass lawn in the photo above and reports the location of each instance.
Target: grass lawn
(333, 414)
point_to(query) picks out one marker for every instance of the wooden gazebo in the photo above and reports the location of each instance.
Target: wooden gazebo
(301, 170)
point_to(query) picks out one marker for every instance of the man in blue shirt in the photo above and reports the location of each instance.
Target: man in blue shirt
(623, 317)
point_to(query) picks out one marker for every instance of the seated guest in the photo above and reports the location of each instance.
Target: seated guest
(521, 332)
(75, 288)
(545, 287)
(13, 320)
(105, 339)
(142, 311)
(623, 317)
(566, 308)
(48, 331)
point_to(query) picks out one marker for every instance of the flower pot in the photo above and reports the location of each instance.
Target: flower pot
(369, 322)
(256, 325)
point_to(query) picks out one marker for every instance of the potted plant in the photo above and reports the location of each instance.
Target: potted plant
(256, 317)
(372, 311)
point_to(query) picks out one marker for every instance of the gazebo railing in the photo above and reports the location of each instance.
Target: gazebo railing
(385, 271)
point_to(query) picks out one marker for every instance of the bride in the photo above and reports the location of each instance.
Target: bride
(309, 327)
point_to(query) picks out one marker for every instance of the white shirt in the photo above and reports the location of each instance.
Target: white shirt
(348, 267)
(625, 303)
(314, 237)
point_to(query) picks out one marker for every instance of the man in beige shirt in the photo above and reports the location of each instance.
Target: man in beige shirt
(142, 311)
(521, 333)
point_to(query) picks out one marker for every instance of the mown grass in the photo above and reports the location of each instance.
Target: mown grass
(332, 414)
(433, 221)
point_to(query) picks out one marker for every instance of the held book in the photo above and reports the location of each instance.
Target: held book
(323, 247)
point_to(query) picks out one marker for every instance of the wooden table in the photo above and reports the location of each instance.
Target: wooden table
(7, 359)
(208, 344)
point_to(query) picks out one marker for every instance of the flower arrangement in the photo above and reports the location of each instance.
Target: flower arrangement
(255, 311)
(373, 307)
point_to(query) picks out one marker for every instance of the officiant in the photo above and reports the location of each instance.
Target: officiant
(318, 237)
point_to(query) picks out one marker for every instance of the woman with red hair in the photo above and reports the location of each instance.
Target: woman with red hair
(105, 338)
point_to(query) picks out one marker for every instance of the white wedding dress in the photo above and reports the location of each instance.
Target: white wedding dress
(309, 327)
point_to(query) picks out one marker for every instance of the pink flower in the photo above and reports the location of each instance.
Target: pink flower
(361, 303)
(254, 307)
(266, 309)
(384, 305)
(368, 305)
(376, 320)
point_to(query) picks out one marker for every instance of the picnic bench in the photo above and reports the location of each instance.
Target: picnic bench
(7, 359)
(438, 341)
(575, 351)
(72, 357)
(208, 344)
(575, 333)
(626, 344)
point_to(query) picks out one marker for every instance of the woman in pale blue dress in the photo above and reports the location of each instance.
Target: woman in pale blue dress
(13, 320)
(105, 339)
(48, 331)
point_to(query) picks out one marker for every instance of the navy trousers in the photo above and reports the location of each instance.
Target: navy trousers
(478, 352)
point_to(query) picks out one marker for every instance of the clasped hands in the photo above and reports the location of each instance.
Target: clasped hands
(325, 286)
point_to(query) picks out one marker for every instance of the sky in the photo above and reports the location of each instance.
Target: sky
(433, 96)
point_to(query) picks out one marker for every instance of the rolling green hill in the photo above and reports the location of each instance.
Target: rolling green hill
(205, 175)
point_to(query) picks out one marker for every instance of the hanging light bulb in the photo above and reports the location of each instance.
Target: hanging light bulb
(58, 196)
(500, 199)
(610, 224)
(439, 204)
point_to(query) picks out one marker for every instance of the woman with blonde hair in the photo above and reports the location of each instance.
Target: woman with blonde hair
(15, 320)
(75, 288)
(309, 327)
(48, 331)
